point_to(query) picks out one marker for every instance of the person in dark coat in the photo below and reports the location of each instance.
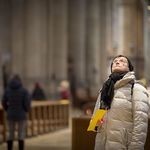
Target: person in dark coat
(38, 92)
(16, 102)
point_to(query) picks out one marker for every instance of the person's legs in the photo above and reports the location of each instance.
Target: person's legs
(21, 144)
(11, 132)
(21, 134)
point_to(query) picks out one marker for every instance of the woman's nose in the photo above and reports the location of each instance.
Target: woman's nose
(117, 62)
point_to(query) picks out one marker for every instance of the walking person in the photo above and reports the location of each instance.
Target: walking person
(124, 126)
(16, 102)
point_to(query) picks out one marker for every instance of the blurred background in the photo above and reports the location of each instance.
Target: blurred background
(67, 45)
(48, 41)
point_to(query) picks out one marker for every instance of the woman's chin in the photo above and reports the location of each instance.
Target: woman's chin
(117, 70)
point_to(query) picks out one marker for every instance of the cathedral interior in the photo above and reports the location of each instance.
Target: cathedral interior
(72, 40)
(50, 41)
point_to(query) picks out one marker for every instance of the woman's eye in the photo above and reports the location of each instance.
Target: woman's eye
(114, 61)
(122, 61)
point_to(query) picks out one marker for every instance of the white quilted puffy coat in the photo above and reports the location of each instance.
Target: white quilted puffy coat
(126, 122)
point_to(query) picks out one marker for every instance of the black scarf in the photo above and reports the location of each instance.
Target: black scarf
(107, 91)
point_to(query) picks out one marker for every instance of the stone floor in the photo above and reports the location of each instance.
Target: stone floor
(58, 140)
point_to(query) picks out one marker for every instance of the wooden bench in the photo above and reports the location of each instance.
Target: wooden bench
(44, 117)
(81, 139)
(2, 125)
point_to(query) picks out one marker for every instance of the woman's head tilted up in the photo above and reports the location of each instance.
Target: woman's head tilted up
(121, 63)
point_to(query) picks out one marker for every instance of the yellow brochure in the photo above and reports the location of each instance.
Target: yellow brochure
(98, 116)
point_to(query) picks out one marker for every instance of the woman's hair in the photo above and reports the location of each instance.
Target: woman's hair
(131, 68)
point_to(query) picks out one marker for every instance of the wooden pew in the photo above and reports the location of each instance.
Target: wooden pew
(81, 139)
(2, 125)
(44, 117)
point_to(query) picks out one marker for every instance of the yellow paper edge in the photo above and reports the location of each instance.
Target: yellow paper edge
(98, 116)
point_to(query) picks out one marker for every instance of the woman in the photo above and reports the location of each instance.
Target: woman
(16, 102)
(125, 123)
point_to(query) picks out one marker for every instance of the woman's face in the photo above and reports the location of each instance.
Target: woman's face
(120, 64)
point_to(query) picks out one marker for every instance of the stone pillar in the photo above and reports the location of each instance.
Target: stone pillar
(59, 38)
(50, 50)
(130, 27)
(57, 50)
(132, 32)
(110, 45)
(17, 37)
(139, 42)
(36, 40)
(147, 43)
(93, 46)
(109, 20)
(123, 26)
(77, 19)
(117, 26)
(5, 48)
(127, 31)
(50, 65)
(103, 39)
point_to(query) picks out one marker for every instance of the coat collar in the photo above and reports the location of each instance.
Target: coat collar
(126, 79)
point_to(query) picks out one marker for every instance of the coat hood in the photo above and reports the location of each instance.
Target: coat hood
(15, 84)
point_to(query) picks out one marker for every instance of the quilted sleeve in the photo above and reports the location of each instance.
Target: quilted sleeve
(140, 106)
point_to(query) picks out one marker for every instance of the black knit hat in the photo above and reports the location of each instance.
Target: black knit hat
(131, 68)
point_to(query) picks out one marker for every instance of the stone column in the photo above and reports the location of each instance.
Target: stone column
(147, 43)
(127, 31)
(93, 46)
(122, 27)
(109, 21)
(5, 48)
(59, 38)
(17, 37)
(104, 28)
(139, 42)
(117, 26)
(110, 41)
(50, 50)
(130, 27)
(57, 50)
(36, 40)
(132, 33)
(77, 19)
